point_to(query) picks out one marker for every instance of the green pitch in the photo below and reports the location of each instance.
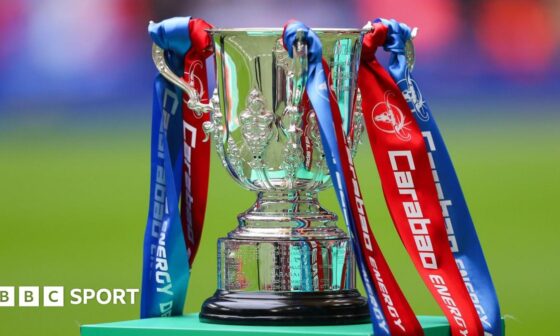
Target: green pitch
(74, 197)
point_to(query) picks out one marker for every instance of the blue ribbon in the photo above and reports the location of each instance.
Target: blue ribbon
(318, 93)
(166, 269)
(461, 231)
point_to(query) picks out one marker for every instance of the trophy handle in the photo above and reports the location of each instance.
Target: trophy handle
(300, 68)
(409, 50)
(193, 103)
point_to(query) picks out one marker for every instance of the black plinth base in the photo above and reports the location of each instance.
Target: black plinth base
(285, 308)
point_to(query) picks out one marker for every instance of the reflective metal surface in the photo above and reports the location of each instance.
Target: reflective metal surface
(261, 110)
(267, 137)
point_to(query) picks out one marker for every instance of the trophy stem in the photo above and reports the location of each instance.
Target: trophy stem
(277, 215)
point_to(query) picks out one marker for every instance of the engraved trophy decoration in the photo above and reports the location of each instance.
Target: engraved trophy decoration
(287, 261)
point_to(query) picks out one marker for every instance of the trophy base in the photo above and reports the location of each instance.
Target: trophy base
(286, 308)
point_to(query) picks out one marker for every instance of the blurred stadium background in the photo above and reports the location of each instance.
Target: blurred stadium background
(75, 100)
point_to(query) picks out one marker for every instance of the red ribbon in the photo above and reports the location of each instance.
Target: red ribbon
(196, 161)
(306, 142)
(396, 309)
(409, 188)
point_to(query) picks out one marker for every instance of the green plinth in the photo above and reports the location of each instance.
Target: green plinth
(191, 326)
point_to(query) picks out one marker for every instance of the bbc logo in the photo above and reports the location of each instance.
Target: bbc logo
(29, 296)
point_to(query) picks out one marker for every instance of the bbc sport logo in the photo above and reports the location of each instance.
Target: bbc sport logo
(54, 296)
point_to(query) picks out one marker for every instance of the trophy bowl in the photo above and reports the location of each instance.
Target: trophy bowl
(286, 262)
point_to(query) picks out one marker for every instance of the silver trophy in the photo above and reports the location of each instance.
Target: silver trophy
(287, 261)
